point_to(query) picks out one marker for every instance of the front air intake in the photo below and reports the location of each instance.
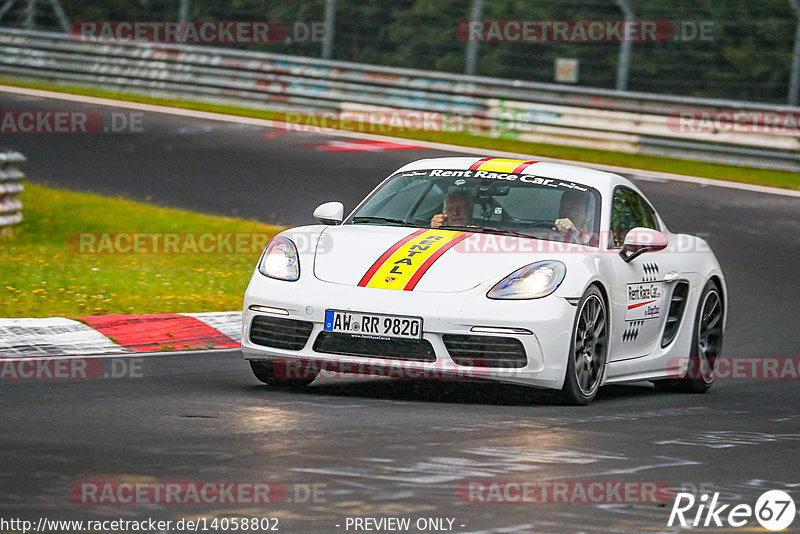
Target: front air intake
(411, 350)
(485, 351)
(278, 333)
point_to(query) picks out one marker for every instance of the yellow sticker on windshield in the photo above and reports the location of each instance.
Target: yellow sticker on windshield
(513, 166)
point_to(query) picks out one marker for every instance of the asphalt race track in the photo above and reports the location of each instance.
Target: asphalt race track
(385, 448)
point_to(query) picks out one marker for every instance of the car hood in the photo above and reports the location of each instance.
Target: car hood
(365, 254)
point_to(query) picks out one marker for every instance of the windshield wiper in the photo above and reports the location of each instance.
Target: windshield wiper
(488, 230)
(357, 220)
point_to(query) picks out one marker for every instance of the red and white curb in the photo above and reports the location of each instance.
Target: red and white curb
(119, 334)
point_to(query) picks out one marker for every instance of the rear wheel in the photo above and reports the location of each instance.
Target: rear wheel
(289, 374)
(706, 345)
(588, 350)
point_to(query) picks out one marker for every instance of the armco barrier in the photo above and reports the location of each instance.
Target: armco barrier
(537, 112)
(10, 187)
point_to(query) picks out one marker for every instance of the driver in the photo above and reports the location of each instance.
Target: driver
(457, 212)
(573, 218)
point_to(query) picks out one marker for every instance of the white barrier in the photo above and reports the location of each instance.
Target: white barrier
(742, 133)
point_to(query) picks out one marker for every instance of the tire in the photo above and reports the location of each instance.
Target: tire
(588, 350)
(706, 345)
(287, 374)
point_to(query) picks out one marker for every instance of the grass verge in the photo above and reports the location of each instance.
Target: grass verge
(784, 179)
(45, 270)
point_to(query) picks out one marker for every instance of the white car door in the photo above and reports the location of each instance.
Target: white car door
(640, 292)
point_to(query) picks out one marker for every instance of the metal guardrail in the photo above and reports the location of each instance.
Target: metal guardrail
(538, 112)
(10, 187)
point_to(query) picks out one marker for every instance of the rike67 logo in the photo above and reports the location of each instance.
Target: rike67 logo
(774, 510)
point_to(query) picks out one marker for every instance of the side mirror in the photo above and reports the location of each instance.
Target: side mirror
(329, 213)
(641, 240)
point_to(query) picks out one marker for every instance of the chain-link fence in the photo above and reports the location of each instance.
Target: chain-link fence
(736, 49)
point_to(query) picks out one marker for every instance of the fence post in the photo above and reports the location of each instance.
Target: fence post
(624, 63)
(183, 10)
(472, 46)
(330, 21)
(794, 78)
(10, 187)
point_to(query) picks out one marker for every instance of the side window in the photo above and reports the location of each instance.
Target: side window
(629, 210)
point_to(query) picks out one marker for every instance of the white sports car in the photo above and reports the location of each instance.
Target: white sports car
(544, 274)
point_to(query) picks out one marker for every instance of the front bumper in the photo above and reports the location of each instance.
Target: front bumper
(550, 320)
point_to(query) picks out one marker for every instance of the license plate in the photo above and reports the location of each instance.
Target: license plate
(376, 325)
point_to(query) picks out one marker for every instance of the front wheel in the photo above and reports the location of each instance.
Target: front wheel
(706, 345)
(588, 350)
(288, 374)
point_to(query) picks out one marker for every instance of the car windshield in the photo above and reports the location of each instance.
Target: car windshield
(481, 201)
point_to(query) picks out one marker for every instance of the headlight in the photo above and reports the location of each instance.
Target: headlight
(531, 282)
(280, 260)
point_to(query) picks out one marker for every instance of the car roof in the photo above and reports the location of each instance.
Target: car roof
(600, 180)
